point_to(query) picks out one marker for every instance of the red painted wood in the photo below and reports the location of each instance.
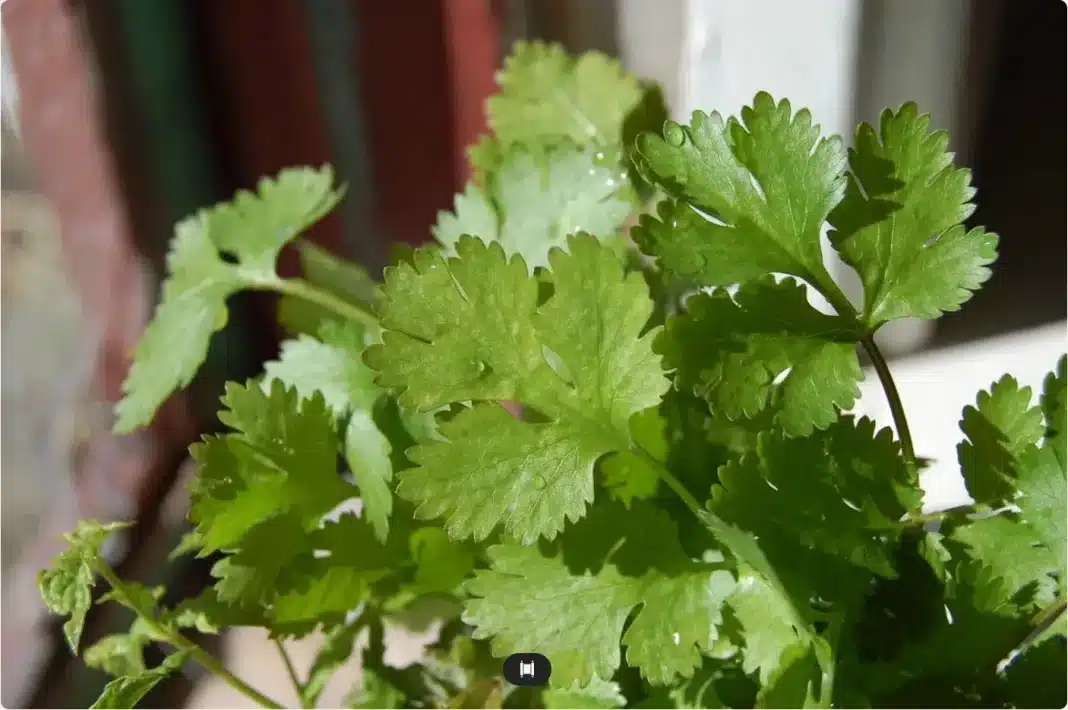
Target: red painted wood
(473, 48)
(264, 97)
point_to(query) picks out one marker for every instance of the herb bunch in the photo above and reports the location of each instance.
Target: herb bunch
(683, 513)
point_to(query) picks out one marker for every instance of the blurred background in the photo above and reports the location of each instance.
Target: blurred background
(122, 116)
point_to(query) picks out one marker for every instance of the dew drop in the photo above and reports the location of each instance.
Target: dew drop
(673, 134)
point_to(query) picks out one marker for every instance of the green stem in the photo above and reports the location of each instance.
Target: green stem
(893, 397)
(941, 516)
(290, 670)
(181, 643)
(826, 286)
(826, 656)
(298, 288)
(676, 486)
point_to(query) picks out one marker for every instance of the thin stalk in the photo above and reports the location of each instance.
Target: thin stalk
(893, 397)
(290, 670)
(298, 288)
(676, 486)
(1040, 624)
(181, 643)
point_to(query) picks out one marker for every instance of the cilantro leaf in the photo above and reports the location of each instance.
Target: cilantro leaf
(1055, 408)
(767, 624)
(367, 451)
(344, 557)
(66, 586)
(793, 684)
(441, 564)
(269, 560)
(629, 476)
(281, 456)
(597, 693)
(329, 364)
(545, 94)
(765, 350)
(531, 203)
(900, 222)
(1013, 456)
(1042, 493)
(192, 307)
(1002, 561)
(471, 328)
(769, 181)
(117, 654)
(128, 690)
(253, 228)
(332, 365)
(999, 428)
(841, 491)
(573, 610)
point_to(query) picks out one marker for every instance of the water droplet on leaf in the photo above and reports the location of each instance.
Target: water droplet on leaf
(673, 134)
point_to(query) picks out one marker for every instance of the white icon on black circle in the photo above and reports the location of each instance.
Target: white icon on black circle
(527, 669)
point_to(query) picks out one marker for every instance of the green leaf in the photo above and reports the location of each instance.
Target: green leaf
(336, 577)
(1055, 408)
(329, 364)
(628, 475)
(767, 624)
(1005, 561)
(254, 226)
(1008, 458)
(281, 456)
(127, 691)
(191, 308)
(189, 543)
(1000, 428)
(596, 694)
(532, 203)
(545, 94)
(769, 181)
(471, 328)
(842, 492)
(66, 586)
(1041, 496)
(900, 224)
(765, 351)
(270, 559)
(344, 279)
(367, 451)
(572, 608)
(441, 564)
(117, 654)
(793, 685)
(253, 229)
(332, 365)
(375, 692)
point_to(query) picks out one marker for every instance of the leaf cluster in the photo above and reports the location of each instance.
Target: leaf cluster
(680, 509)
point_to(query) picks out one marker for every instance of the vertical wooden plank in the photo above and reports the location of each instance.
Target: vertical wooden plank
(263, 90)
(400, 56)
(473, 52)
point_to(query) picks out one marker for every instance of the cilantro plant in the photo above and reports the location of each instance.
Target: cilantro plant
(677, 508)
